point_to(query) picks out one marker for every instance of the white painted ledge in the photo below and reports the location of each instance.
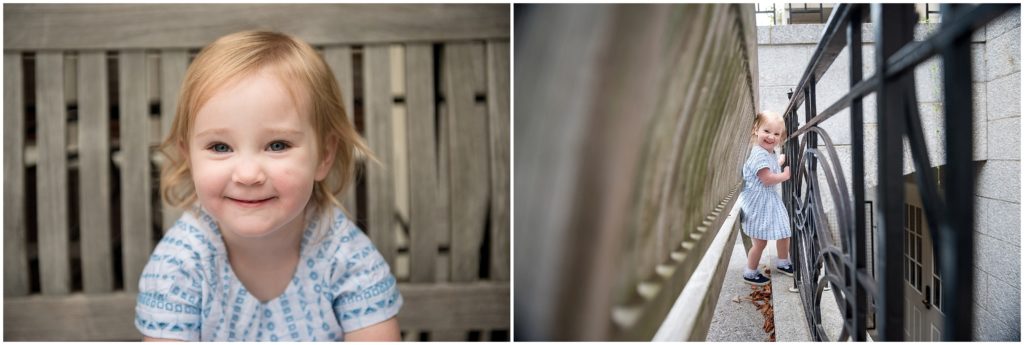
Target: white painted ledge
(679, 323)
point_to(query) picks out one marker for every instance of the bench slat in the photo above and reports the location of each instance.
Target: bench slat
(173, 64)
(135, 26)
(15, 257)
(340, 60)
(378, 119)
(94, 173)
(468, 167)
(422, 148)
(52, 174)
(136, 221)
(498, 119)
(112, 316)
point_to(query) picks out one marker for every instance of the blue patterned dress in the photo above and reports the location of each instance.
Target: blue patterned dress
(188, 290)
(764, 215)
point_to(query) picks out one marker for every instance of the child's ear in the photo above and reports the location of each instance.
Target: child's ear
(327, 159)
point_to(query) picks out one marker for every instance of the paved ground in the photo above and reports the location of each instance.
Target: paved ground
(790, 323)
(736, 321)
(741, 322)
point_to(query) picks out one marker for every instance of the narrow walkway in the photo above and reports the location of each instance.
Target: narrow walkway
(734, 321)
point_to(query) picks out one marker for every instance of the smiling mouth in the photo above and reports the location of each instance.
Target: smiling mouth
(250, 203)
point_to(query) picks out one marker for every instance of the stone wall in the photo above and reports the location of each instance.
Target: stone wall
(997, 236)
(784, 53)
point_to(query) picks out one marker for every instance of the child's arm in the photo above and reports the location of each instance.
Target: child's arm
(782, 159)
(770, 179)
(384, 331)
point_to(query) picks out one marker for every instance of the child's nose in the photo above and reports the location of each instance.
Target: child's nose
(248, 172)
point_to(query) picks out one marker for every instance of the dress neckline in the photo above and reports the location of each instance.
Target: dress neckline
(300, 267)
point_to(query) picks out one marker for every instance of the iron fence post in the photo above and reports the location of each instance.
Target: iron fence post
(895, 28)
(957, 241)
(853, 39)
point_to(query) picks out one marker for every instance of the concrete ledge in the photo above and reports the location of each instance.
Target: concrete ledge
(686, 320)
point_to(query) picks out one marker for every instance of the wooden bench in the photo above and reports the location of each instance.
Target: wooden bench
(428, 85)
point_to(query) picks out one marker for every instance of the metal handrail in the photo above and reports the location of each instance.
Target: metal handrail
(815, 251)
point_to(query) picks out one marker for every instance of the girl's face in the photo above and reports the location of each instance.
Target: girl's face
(253, 155)
(769, 134)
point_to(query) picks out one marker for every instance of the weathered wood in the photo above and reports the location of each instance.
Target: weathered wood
(444, 236)
(136, 221)
(173, 64)
(94, 173)
(124, 26)
(76, 317)
(480, 305)
(15, 260)
(111, 316)
(468, 167)
(377, 79)
(422, 146)
(498, 121)
(340, 61)
(448, 335)
(52, 174)
(411, 335)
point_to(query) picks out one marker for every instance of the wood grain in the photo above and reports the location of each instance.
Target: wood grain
(52, 174)
(422, 147)
(15, 257)
(173, 64)
(134, 26)
(111, 316)
(94, 173)
(340, 61)
(377, 73)
(136, 211)
(498, 75)
(468, 167)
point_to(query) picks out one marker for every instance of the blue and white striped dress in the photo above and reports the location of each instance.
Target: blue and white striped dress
(764, 215)
(188, 291)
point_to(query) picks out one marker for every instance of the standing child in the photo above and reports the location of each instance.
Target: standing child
(764, 214)
(258, 149)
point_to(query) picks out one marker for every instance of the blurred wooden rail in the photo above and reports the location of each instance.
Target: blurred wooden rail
(427, 84)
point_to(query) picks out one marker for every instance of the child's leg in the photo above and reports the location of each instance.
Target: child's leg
(782, 245)
(754, 256)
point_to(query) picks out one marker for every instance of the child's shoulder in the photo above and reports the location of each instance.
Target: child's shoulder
(341, 234)
(345, 249)
(193, 232)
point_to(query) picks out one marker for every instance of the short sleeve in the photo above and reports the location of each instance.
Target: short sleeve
(367, 292)
(762, 159)
(169, 302)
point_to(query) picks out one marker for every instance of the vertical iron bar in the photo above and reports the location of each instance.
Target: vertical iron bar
(957, 240)
(789, 191)
(853, 39)
(811, 109)
(894, 29)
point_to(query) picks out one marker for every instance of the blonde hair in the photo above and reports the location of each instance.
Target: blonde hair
(238, 55)
(765, 116)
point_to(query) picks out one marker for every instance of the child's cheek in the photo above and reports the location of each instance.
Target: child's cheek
(293, 175)
(209, 178)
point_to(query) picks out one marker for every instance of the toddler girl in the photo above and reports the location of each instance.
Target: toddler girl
(764, 215)
(258, 149)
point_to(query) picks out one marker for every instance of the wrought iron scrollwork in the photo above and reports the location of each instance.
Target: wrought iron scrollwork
(821, 257)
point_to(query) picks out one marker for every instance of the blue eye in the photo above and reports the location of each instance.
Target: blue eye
(278, 146)
(220, 148)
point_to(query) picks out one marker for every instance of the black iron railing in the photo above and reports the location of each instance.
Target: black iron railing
(819, 256)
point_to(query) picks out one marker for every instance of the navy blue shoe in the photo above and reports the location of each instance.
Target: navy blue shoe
(787, 269)
(758, 279)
